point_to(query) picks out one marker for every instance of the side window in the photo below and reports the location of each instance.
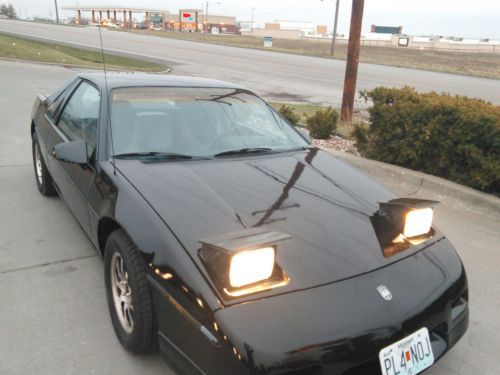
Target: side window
(79, 118)
(58, 98)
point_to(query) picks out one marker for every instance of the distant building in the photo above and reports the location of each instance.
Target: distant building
(306, 27)
(185, 20)
(292, 29)
(195, 20)
(247, 25)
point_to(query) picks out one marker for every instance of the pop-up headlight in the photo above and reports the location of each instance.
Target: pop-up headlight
(418, 222)
(244, 262)
(402, 222)
(251, 266)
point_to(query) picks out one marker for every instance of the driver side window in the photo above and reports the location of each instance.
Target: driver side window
(79, 118)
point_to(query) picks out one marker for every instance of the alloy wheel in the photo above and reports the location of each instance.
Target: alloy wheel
(122, 294)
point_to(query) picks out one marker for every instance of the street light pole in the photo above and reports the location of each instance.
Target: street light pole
(206, 15)
(253, 9)
(57, 12)
(206, 12)
(334, 35)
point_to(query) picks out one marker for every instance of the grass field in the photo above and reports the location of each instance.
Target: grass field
(474, 64)
(25, 49)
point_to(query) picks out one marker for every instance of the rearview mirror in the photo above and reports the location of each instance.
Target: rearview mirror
(72, 152)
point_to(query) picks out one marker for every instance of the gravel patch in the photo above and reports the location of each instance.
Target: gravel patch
(337, 143)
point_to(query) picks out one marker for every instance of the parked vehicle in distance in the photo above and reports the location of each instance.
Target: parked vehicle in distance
(236, 245)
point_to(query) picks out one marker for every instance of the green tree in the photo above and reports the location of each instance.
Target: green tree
(288, 113)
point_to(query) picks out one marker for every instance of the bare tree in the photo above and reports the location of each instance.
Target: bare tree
(8, 10)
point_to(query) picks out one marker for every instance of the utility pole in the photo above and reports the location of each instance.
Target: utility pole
(334, 35)
(253, 10)
(351, 71)
(57, 12)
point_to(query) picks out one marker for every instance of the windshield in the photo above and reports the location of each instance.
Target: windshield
(199, 122)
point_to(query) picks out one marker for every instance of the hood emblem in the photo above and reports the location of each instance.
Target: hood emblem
(384, 292)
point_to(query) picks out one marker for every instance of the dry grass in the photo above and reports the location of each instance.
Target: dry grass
(25, 49)
(474, 64)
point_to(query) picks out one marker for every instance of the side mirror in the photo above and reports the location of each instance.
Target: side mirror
(72, 152)
(43, 99)
(304, 133)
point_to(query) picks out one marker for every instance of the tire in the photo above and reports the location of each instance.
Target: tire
(129, 301)
(43, 178)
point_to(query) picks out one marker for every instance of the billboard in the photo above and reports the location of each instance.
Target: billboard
(188, 17)
(387, 29)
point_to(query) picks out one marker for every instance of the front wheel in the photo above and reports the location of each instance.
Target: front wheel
(128, 294)
(43, 178)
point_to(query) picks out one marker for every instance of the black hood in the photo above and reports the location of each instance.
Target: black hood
(322, 202)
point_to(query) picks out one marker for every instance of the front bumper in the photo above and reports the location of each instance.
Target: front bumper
(340, 328)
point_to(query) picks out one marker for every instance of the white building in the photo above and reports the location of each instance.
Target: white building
(247, 25)
(306, 27)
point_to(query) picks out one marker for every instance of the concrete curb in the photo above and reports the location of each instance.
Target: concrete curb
(411, 182)
(73, 66)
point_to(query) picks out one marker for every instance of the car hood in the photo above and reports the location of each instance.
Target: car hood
(322, 202)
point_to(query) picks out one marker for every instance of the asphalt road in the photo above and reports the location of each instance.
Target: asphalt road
(54, 317)
(276, 76)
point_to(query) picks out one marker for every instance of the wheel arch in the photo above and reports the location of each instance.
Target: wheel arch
(105, 227)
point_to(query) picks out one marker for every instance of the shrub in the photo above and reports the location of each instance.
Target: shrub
(457, 138)
(322, 123)
(288, 113)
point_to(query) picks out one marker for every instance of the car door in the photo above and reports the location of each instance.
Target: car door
(77, 121)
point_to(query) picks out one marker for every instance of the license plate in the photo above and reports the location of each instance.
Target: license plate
(408, 356)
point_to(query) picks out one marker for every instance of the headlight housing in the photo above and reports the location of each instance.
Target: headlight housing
(244, 262)
(402, 222)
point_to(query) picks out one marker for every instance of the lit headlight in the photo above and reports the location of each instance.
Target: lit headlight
(403, 222)
(244, 262)
(249, 267)
(418, 222)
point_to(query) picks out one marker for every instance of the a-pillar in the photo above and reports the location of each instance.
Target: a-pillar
(130, 18)
(78, 17)
(114, 17)
(93, 16)
(125, 19)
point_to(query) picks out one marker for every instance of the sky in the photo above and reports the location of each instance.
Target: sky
(464, 18)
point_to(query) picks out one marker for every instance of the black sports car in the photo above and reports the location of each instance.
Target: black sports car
(236, 246)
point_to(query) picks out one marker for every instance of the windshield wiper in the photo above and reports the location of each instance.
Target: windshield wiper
(242, 151)
(154, 154)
